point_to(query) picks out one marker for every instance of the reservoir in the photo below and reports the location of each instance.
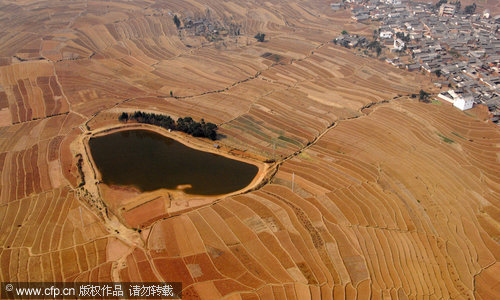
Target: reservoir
(151, 161)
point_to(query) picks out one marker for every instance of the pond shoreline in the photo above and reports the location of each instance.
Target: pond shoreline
(200, 144)
(122, 200)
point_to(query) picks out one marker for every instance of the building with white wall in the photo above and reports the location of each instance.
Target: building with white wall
(464, 102)
(386, 34)
(460, 101)
(399, 44)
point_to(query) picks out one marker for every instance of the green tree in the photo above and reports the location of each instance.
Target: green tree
(423, 95)
(438, 73)
(344, 32)
(186, 124)
(177, 21)
(470, 9)
(441, 2)
(260, 36)
(123, 117)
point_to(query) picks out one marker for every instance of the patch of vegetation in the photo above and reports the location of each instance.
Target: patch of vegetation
(423, 96)
(305, 156)
(445, 139)
(456, 134)
(289, 140)
(253, 126)
(470, 9)
(375, 45)
(344, 32)
(186, 124)
(404, 37)
(469, 114)
(435, 102)
(260, 37)
(274, 57)
(454, 53)
(177, 21)
(79, 164)
(441, 2)
(123, 117)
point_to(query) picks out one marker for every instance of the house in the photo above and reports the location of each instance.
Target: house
(336, 6)
(447, 10)
(464, 102)
(361, 17)
(399, 44)
(413, 67)
(446, 96)
(460, 101)
(386, 34)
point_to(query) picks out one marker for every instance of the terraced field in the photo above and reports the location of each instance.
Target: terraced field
(369, 193)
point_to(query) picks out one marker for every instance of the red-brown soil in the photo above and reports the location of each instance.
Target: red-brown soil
(399, 200)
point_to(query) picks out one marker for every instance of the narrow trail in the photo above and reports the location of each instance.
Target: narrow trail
(255, 76)
(234, 84)
(281, 161)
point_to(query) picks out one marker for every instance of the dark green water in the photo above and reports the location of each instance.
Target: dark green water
(150, 161)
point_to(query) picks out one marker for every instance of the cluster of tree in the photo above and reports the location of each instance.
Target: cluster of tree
(458, 5)
(177, 21)
(260, 36)
(186, 124)
(404, 37)
(344, 43)
(441, 2)
(362, 43)
(423, 96)
(79, 165)
(375, 45)
(470, 9)
(454, 53)
(197, 129)
(149, 118)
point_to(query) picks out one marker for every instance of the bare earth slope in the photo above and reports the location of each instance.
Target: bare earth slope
(397, 199)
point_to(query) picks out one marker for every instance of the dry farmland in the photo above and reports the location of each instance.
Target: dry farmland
(367, 193)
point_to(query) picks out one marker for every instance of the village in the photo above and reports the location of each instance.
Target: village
(457, 45)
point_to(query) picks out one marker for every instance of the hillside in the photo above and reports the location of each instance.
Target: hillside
(369, 193)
